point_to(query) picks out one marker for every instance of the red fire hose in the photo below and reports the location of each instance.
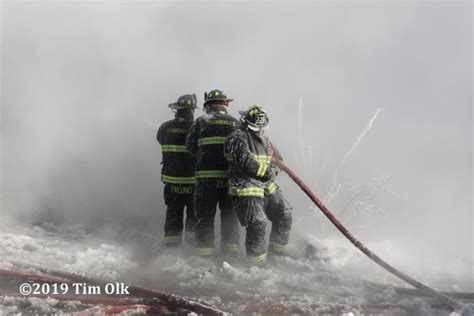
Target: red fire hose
(165, 298)
(446, 299)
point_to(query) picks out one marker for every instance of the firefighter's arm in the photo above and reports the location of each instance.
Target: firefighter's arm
(192, 138)
(237, 150)
(158, 135)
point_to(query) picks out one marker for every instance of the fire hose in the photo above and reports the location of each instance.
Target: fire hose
(423, 287)
(176, 301)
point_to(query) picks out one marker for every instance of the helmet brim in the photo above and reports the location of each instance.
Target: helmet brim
(173, 105)
(177, 106)
(228, 100)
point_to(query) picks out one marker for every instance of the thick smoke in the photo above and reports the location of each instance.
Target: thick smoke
(86, 85)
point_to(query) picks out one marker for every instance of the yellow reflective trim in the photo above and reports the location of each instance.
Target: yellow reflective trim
(261, 169)
(262, 158)
(272, 188)
(222, 122)
(174, 148)
(250, 191)
(252, 112)
(204, 174)
(181, 189)
(216, 93)
(177, 130)
(171, 239)
(204, 251)
(178, 180)
(231, 247)
(257, 259)
(279, 247)
(215, 140)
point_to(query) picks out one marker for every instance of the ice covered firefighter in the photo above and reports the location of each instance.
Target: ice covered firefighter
(178, 171)
(206, 141)
(254, 192)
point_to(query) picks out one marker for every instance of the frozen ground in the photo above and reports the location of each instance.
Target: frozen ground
(327, 272)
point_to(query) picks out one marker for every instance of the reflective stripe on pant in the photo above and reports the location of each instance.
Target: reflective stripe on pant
(230, 247)
(253, 212)
(177, 198)
(204, 252)
(258, 258)
(208, 194)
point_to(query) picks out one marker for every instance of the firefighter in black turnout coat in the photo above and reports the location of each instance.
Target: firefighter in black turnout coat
(254, 192)
(178, 171)
(206, 140)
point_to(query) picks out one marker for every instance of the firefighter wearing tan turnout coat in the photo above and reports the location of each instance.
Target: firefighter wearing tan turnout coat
(254, 192)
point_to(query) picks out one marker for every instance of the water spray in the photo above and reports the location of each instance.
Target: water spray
(358, 140)
(355, 144)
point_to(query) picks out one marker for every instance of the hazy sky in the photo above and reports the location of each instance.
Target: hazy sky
(85, 86)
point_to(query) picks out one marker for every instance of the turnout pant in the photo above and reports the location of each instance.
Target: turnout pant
(208, 194)
(253, 212)
(177, 198)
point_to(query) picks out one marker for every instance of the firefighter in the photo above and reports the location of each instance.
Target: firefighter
(177, 172)
(206, 140)
(255, 194)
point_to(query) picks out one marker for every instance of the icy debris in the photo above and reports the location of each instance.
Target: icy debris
(332, 272)
(69, 250)
(456, 288)
(9, 305)
(226, 265)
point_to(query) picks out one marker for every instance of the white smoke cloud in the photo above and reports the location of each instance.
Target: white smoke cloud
(85, 86)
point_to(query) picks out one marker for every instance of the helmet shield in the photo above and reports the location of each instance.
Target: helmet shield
(187, 101)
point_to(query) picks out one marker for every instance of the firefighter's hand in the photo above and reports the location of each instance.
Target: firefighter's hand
(275, 170)
(271, 152)
(271, 173)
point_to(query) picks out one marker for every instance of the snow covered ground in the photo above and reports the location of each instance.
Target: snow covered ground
(325, 272)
